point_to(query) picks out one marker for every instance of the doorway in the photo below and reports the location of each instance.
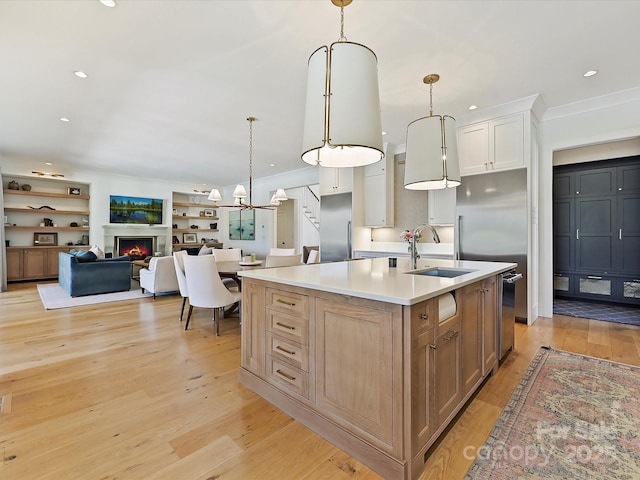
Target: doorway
(285, 236)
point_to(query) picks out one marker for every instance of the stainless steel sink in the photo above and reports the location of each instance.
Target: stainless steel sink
(441, 272)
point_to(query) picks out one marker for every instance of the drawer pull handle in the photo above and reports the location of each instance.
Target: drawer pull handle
(278, 347)
(424, 316)
(290, 304)
(432, 346)
(593, 277)
(288, 377)
(450, 335)
(280, 324)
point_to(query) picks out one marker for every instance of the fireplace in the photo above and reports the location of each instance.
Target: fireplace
(138, 248)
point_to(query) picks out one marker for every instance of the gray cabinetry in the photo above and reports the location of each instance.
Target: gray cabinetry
(597, 230)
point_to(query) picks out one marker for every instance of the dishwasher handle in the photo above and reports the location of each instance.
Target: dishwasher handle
(511, 278)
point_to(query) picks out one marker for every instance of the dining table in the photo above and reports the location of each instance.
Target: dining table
(231, 268)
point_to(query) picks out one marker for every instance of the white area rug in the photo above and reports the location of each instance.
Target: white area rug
(53, 297)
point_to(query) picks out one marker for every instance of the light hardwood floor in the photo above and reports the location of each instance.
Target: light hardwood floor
(121, 391)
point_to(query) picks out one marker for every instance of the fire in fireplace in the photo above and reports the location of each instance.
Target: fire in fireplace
(138, 248)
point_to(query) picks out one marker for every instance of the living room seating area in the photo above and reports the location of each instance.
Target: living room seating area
(83, 273)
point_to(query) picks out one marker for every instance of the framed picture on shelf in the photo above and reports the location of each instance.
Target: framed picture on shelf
(74, 191)
(189, 238)
(45, 239)
(174, 211)
(175, 240)
(209, 212)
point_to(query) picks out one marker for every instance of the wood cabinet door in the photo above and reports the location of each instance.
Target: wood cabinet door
(253, 327)
(14, 264)
(595, 233)
(628, 256)
(471, 306)
(489, 324)
(447, 381)
(51, 264)
(359, 369)
(34, 263)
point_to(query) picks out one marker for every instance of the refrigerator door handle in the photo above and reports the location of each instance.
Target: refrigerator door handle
(459, 237)
(350, 256)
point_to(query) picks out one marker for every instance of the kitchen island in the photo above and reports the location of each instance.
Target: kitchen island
(375, 359)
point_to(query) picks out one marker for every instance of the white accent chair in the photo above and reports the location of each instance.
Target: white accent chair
(227, 254)
(313, 257)
(282, 251)
(159, 276)
(206, 289)
(283, 260)
(178, 263)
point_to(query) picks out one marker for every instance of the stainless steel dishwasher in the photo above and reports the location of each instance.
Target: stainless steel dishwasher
(506, 311)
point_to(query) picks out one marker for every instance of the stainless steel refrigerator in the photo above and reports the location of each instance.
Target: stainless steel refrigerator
(492, 224)
(335, 227)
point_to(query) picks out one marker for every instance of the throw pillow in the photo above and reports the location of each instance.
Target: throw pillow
(86, 257)
(205, 250)
(97, 250)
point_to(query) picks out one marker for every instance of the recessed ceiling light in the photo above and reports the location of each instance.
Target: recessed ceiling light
(108, 3)
(384, 133)
(80, 74)
(64, 119)
(48, 163)
(272, 164)
(473, 107)
(590, 73)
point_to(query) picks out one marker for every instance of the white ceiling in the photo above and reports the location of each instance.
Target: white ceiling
(171, 83)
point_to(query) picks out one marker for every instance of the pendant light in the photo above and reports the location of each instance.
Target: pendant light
(240, 193)
(342, 126)
(432, 151)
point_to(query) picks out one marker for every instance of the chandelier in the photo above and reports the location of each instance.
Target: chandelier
(240, 193)
(432, 152)
(342, 125)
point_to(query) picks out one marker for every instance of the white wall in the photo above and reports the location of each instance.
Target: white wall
(599, 120)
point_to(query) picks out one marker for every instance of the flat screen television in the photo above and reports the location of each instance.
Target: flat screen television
(136, 210)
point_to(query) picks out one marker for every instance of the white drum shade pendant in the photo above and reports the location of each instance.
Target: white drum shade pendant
(342, 125)
(432, 150)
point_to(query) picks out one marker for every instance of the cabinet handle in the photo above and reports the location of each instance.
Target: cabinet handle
(577, 234)
(289, 327)
(424, 316)
(620, 234)
(593, 277)
(278, 347)
(432, 346)
(451, 335)
(286, 303)
(288, 377)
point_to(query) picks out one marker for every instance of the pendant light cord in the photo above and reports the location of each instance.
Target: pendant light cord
(251, 119)
(342, 37)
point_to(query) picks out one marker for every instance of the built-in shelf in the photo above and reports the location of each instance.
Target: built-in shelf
(199, 217)
(195, 230)
(44, 194)
(46, 229)
(47, 211)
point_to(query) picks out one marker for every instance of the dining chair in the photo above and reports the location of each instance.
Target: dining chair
(227, 254)
(313, 257)
(206, 289)
(283, 260)
(178, 263)
(282, 251)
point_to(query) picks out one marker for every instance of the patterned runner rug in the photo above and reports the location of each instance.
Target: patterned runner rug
(53, 296)
(571, 417)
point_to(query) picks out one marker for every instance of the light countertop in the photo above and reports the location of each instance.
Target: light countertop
(435, 250)
(375, 280)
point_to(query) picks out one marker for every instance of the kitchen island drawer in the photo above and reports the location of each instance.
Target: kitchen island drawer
(291, 378)
(289, 326)
(291, 352)
(293, 303)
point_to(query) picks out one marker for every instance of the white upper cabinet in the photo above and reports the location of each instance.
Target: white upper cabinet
(335, 180)
(442, 206)
(492, 145)
(379, 181)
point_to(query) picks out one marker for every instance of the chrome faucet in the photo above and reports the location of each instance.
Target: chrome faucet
(413, 247)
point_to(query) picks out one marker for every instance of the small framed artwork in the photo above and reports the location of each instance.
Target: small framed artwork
(74, 191)
(175, 240)
(45, 239)
(209, 212)
(189, 238)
